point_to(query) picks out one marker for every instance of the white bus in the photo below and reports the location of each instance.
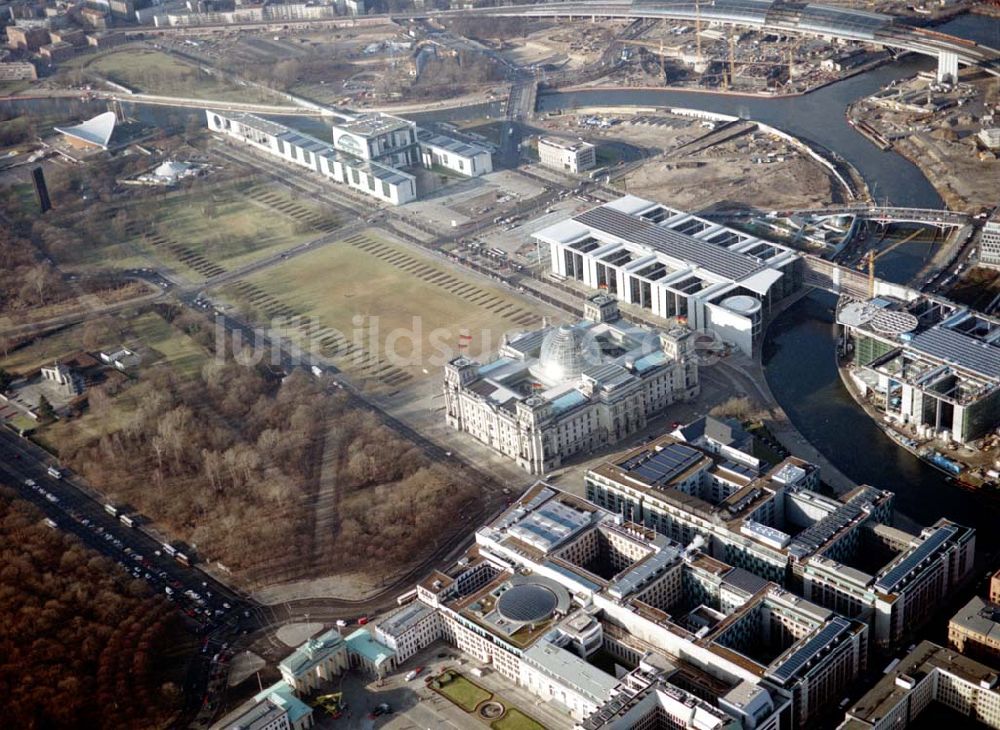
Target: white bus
(50, 522)
(127, 521)
(111, 510)
(169, 549)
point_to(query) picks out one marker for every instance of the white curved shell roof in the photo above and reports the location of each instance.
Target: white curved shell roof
(96, 131)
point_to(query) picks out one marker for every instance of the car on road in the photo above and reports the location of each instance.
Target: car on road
(383, 709)
(413, 674)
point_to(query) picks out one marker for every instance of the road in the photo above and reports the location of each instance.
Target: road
(217, 614)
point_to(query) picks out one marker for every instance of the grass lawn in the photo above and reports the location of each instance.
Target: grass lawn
(461, 691)
(229, 224)
(156, 72)
(516, 720)
(373, 290)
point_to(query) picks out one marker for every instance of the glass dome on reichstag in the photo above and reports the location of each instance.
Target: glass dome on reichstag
(567, 351)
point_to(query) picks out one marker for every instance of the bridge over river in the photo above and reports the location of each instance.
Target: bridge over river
(778, 15)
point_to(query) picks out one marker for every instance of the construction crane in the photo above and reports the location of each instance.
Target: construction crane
(873, 255)
(697, 28)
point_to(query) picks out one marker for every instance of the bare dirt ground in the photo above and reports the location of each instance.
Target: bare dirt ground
(796, 182)
(696, 179)
(943, 143)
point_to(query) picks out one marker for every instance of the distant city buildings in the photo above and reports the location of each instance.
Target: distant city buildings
(572, 388)
(369, 153)
(567, 155)
(676, 265)
(926, 675)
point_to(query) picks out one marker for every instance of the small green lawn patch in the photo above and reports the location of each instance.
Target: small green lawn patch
(516, 720)
(460, 690)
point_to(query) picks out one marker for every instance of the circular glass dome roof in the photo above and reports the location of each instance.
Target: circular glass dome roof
(567, 352)
(527, 602)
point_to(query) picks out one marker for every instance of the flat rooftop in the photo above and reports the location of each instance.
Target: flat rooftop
(570, 145)
(374, 124)
(922, 661)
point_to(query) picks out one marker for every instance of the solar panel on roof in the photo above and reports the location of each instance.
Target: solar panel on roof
(718, 260)
(959, 350)
(799, 658)
(662, 466)
(890, 580)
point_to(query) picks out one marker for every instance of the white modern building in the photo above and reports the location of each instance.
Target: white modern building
(567, 155)
(370, 153)
(572, 388)
(452, 154)
(409, 630)
(360, 174)
(675, 265)
(989, 242)
(932, 367)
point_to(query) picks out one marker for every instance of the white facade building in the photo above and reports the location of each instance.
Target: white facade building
(369, 153)
(461, 157)
(409, 630)
(927, 674)
(360, 174)
(570, 389)
(989, 242)
(676, 265)
(570, 156)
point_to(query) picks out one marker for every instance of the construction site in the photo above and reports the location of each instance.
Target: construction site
(940, 127)
(723, 58)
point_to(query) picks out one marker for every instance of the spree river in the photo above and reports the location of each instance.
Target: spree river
(799, 351)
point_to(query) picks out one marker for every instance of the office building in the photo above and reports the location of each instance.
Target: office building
(975, 630)
(569, 389)
(409, 630)
(370, 153)
(556, 587)
(57, 52)
(771, 522)
(928, 674)
(989, 241)
(361, 174)
(455, 155)
(567, 155)
(930, 365)
(675, 265)
(18, 71)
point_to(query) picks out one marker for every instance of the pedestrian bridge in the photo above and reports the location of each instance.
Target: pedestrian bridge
(779, 15)
(890, 214)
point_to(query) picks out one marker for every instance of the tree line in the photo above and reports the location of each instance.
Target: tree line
(80, 644)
